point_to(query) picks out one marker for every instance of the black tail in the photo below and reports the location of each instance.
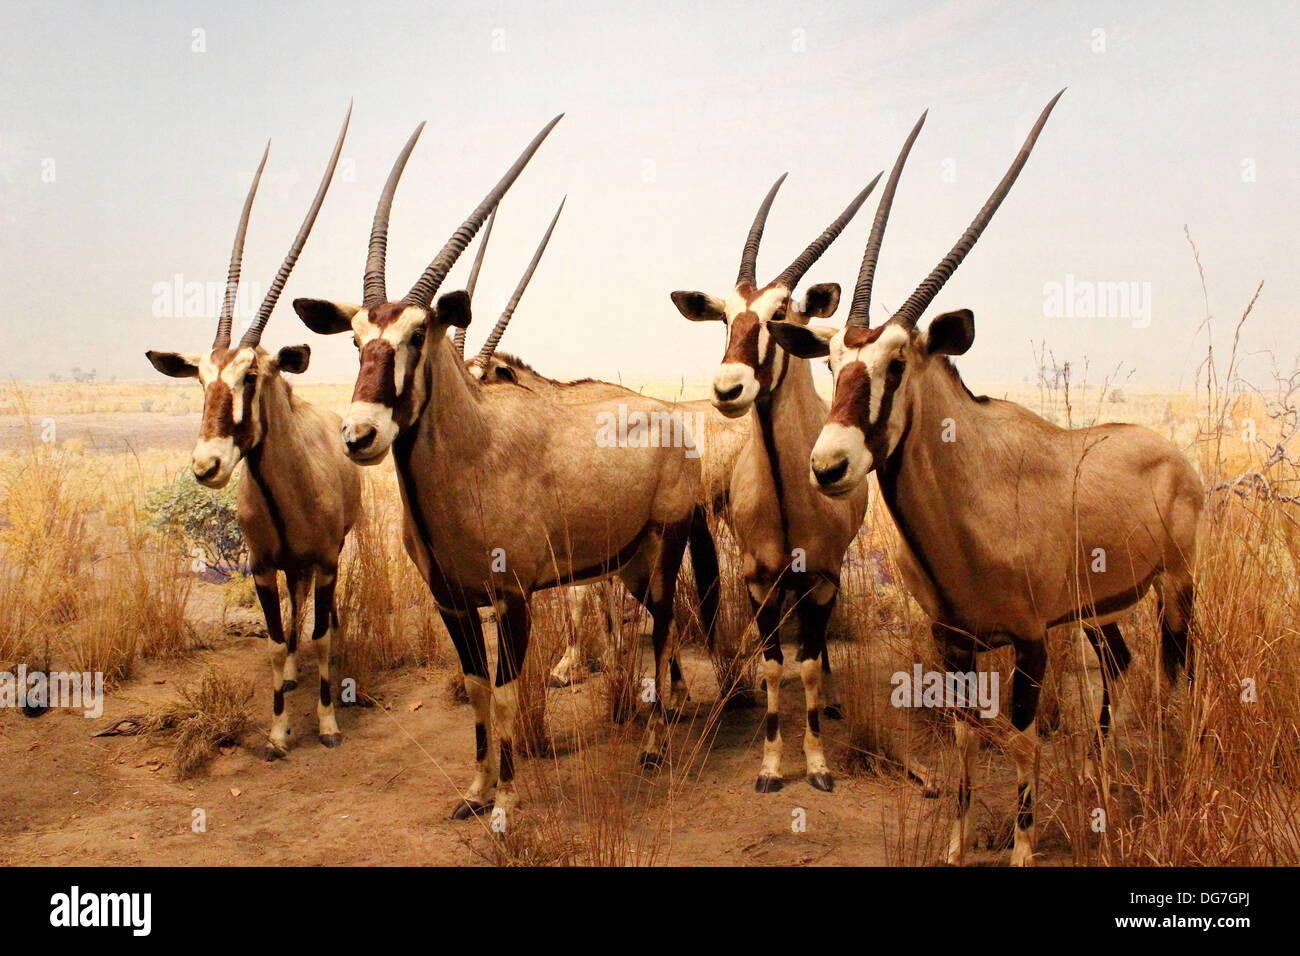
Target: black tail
(704, 562)
(1175, 635)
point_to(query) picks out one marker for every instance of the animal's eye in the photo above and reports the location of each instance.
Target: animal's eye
(417, 339)
(896, 368)
(356, 343)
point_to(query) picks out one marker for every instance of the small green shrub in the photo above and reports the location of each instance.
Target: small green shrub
(201, 518)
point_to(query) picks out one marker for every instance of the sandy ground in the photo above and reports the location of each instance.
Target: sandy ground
(385, 796)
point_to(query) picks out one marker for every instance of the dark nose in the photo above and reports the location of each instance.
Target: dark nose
(362, 438)
(828, 476)
(209, 472)
(730, 395)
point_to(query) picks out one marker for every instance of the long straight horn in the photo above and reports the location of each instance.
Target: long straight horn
(473, 277)
(254, 333)
(860, 310)
(236, 258)
(749, 255)
(791, 276)
(499, 329)
(374, 291)
(917, 302)
(426, 288)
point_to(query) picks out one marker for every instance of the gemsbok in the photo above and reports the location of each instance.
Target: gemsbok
(717, 441)
(1008, 524)
(302, 494)
(501, 493)
(792, 540)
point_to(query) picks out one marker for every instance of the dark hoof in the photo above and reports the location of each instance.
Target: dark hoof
(468, 809)
(274, 753)
(672, 716)
(651, 761)
(34, 710)
(822, 781)
(833, 712)
(331, 740)
(554, 681)
(289, 685)
(766, 784)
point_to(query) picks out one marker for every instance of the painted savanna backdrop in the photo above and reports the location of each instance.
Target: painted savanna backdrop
(1139, 273)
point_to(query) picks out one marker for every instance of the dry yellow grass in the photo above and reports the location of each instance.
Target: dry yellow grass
(86, 584)
(1213, 777)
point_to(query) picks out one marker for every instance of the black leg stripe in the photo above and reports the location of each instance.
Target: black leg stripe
(325, 691)
(773, 726)
(507, 761)
(814, 721)
(278, 705)
(480, 743)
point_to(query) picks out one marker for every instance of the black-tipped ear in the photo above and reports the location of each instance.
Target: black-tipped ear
(173, 364)
(453, 309)
(293, 358)
(804, 341)
(699, 307)
(324, 317)
(822, 300)
(951, 333)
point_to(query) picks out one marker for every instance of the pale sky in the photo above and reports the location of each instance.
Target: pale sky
(127, 141)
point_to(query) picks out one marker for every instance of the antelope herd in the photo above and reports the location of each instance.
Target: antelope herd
(505, 490)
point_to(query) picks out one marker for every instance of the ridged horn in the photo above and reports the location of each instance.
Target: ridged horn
(254, 333)
(499, 329)
(860, 309)
(749, 255)
(791, 276)
(374, 288)
(426, 287)
(236, 259)
(459, 337)
(917, 302)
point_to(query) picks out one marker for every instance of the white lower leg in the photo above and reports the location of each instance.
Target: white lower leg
(771, 768)
(562, 672)
(960, 838)
(329, 728)
(1026, 753)
(656, 728)
(479, 692)
(505, 708)
(280, 712)
(295, 632)
(810, 671)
